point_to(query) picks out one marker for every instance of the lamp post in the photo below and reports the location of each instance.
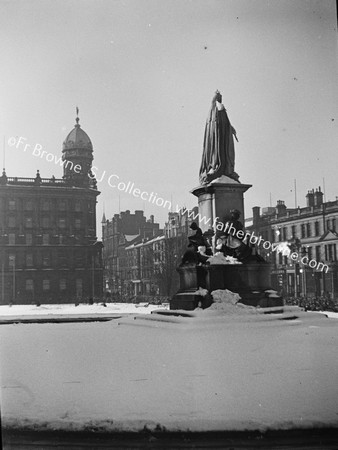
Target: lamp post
(11, 260)
(93, 277)
(2, 283)
(295, 245)
(303, 272)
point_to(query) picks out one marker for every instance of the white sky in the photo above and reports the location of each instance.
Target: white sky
(143, 74)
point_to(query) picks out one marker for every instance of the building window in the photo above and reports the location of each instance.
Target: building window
(11, 221)
(29, 260)
(63, 284)
(29, 222)
(62, 205)
(11, 205)
(78, 285)
(45, 222)
(11, 239)
(45, 205)
(285, 234)
(77, 206)
(318, 253)
(309, 253)
(29, 239)
(29, 285)
(303, 234)
(45, 239)
(46, 260)
(308, 230)
(62, 223)
(333, 224)
(293, 231)
(330, 252)
(280, 259)
(28, 205)
(328, 223)
(317, 232)
(63, 262)
(45, 285)
(79, 262)
(77, 224)
(11, 260)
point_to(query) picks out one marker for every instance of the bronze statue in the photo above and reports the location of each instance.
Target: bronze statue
(218, 149)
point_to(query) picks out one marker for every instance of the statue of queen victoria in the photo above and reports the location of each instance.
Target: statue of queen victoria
(218, 149)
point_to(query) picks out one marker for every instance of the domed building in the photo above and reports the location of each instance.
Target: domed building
(77, 157)
(49, 251)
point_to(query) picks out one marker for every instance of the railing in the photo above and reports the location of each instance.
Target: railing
(23, 181)
(37, 181)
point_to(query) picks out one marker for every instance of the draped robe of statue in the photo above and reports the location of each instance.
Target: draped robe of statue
(218, 150)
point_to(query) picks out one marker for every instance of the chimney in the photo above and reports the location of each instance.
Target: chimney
(310, 200)
(318, 195)
(280, 208)
(256, 215)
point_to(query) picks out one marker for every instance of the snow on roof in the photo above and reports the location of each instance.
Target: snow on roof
(157, 238)
(131, 237)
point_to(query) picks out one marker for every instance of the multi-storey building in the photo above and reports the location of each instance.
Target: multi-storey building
(140, 259)
(123, 230)
(49, 249)
(311, 232)
(145, 266)
(152, 263)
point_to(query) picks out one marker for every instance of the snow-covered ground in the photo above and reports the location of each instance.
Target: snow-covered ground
(71, 310)
(214, 370)
(65, 310)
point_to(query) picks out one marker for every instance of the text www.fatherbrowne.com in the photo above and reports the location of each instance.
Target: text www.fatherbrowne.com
(153, 198)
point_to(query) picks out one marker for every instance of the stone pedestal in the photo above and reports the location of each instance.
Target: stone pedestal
(217, 199)
(249, 280)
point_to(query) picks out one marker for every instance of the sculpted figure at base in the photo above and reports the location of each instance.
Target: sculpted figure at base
(218, 149)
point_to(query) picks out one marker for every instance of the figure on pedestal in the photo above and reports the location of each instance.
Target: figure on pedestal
(196, 239)
(218, 149)
(197, 251)
(231, 242)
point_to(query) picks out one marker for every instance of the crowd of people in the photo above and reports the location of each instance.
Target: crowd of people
(323, 303)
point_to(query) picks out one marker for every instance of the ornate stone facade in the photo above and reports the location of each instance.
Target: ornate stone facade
(49, 251)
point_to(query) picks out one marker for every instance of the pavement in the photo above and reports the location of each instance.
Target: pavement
(324, 439)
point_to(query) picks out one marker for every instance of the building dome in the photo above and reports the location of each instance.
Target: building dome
(77, 138)
(77, 157)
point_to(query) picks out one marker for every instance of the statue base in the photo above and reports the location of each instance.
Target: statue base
(250, 281)
(217, 199)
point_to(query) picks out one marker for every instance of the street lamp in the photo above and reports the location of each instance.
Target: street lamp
(295, 245)
(12, 264)
(93, 277)
(303, 272)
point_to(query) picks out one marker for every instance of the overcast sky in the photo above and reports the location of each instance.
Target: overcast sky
(143, 74)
